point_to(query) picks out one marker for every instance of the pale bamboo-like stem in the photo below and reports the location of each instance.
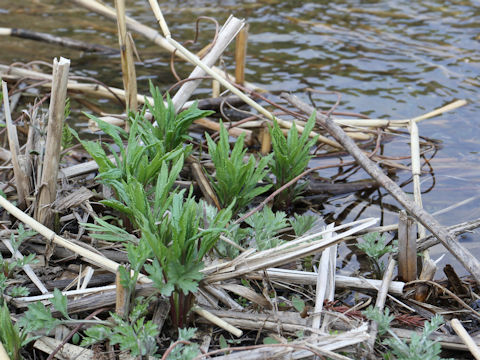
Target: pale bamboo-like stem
(325, 288)
(217, 321)
(241, 55)
(5, 31)
(227, 33)
(403, 122)
(21, 180)
(48, 186)
(66, 293)
(128, 67)
(467, 339)
(159, 16)
(380, 304)
(27, 268)
(90, 256)
(416, 169)
(3, 353)
(407, 247)
(215, 89)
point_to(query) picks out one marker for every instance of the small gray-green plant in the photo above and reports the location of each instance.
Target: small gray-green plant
(291, 155)
(375, 246)
(302, 223)
(235, 179)
(133, 334)
(8, 267)
(184, 351)
(265, 226)
(420, 347)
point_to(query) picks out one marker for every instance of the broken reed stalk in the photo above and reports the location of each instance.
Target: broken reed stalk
(325, 287)
(56, 114)
(402, 122)
(129, 76)
(466, 338)
(90, 256)
(426, 219)
(241, 55)
(49, 38)
(21, 179)
(407, 247)
(380, 304)
(217, 321)
(3, 353)
(428, 265)
(226, 34)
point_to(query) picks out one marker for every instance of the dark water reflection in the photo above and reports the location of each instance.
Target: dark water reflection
(390, 59)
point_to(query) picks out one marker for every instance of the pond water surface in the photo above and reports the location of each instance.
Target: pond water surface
(388, 59)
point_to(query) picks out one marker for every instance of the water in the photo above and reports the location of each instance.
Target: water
(388, 59)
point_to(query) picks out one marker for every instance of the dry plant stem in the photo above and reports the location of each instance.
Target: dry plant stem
(217, 321)
(240, 55)
(48, 185)
(465, 257)
(467, 339)
(310, 278)
(120, 301)
(49, 38)
(416, 169)
(226, 35)
(3, 353)
(21, 180)
(204, 184)
(27, 268)
(400, 123)
(128, 66)
(325, 288)
(407, 247)
(380, 304)
(90, 256)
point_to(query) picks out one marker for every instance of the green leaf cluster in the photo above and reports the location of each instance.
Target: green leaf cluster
(302, 223)
(291, 155)
(134, 334)
(375, 246)
(235, 179)
(265, 226)
(172, 128)
(183, 351)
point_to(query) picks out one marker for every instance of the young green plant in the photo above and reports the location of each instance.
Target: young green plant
(236, 180)
(291, 156)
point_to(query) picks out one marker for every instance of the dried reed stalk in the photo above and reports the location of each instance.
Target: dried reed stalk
(21, 179)
(226, 34)
(48, 185)
(129, 76)
(407, 247)
(241, 55)
(467, 339)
